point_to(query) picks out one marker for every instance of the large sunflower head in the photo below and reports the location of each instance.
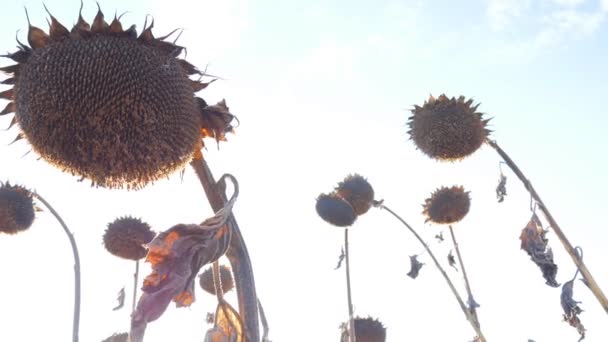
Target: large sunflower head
(17, 210)
(366, 330)
(357, 191)
(447, 205)
(107, 104)
(335, 210)
(448, 129)
(126, 237)
(206, 280)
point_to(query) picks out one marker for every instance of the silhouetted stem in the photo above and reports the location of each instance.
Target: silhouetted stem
(237, 254)
(351, 318)
(264, 322)
(467, 285)
(593, 285)
(472, 320)
(76, 321)
(217, 281)
(135, 279)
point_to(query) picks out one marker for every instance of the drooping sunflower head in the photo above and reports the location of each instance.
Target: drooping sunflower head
(447, 205)
(335, 210)
(126, 237)
(206, 280)
(17, 210)
(357, 191)
(448, 129)
(366, 330)
(108, 105)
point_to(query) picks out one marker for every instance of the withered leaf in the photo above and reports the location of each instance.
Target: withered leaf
(340, 259)
(535, 243)
(120, 299)
(571, 308)
(501, 189)
(452, 260)
(415, 266)
(439, 237)
(176, 256)
(228, 325)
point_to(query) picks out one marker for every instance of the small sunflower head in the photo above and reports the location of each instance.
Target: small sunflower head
(16, 208)
(448, 129)
(335, 210)
(447, 205)
(366, 330)
(206, 280)
(126, 237)
(121, 113)
(357, 191)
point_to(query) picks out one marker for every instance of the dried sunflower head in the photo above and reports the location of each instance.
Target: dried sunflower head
(108, 105)
(448, 129)
(126, 236)
(122, 337)
(333, 209)
(206, 280)
(447, 205)
(16, 208)
(366, 330)
(357, 191)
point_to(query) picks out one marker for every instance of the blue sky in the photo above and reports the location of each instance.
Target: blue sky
(323, 89)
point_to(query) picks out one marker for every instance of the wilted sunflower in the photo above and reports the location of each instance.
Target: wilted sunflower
(126, 236)
(108, 105)
(357, 191)
(447, 205)
(448, 129)
(335, 210)
(16, 208)
(366, 330)
(206, 280)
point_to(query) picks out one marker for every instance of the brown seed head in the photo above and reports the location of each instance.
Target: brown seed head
(333, 209)
(108, 105)
(122, 337)
(448, 129)
(366, 330)
(357, 191)
(126, 236)
(16, 208)
(447, 205)
(206, 280)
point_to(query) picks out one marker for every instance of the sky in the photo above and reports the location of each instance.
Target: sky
(323, 89)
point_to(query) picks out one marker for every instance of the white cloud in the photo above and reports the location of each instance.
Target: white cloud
(501, 12)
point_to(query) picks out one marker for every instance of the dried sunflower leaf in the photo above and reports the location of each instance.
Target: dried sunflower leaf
(501, 189)
(415, 266)
(452, 261)
(534, 242)
(571, 308)
(176, 256)
(340, 259)
(228, 325)
(120, 299)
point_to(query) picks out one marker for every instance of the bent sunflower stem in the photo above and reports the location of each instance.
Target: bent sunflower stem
(351, 318)
(593, 285)
(76, 320)
(237, 253)
(472, 320)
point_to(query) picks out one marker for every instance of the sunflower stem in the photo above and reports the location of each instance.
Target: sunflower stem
(237, 254)
(217, 281)
(592, 284)
(471, 301)
(76, 320)
(351, 318)
(472, 320)
(264, 321)
(135, 279)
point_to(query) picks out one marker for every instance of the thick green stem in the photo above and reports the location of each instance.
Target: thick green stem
(76, 320)
(463, 306)
(593, 285)
(237, 254)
